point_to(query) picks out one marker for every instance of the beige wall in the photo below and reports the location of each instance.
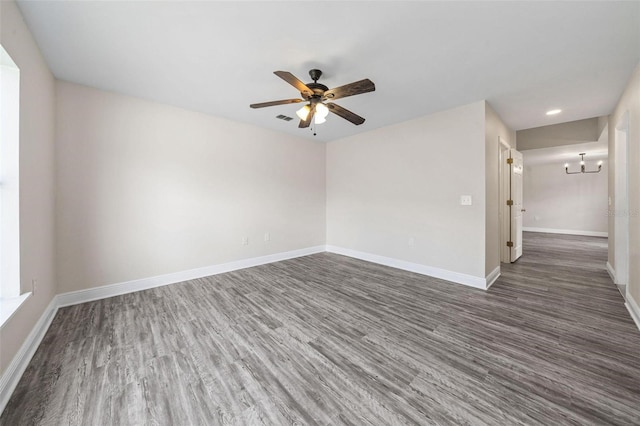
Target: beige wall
(36, 179)
(573, 132)
(555, 200)
(145, 189)
(494, 129)
(602, 124)
(629, 101)
(404, 181)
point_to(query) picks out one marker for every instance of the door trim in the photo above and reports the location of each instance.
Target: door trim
(503, 209)
(621, 201)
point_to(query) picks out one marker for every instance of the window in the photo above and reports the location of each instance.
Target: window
(10, 297)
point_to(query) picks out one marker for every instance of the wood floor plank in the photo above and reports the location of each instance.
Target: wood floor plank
(330, 340)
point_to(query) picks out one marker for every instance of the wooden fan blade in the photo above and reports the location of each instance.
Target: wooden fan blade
(293, 80)
(274, 103)
(346, 114)
(356, 88)
(307, 122)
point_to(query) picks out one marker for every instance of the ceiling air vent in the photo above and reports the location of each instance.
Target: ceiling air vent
(284, 117)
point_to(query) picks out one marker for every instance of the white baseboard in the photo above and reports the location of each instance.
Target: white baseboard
(456, 277)
(567, 232)
(102, 292)
(633, 308)
(629, 302)
(612, 272)
(11, 376)
(492, 277)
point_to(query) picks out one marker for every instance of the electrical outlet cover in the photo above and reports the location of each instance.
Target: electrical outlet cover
(465, 200)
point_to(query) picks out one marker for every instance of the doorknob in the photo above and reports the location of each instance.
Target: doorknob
(523, 210)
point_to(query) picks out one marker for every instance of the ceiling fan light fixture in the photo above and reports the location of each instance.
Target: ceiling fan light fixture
(321, 111)
(313, 95)
(303, 112)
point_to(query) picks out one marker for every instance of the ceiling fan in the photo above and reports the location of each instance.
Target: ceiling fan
(315, 94)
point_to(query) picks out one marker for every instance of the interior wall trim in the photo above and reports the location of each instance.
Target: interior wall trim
(633, 308)
(629, 302)
(11, 376)
(444, 274)
(102, 292)
(612, 272)
(567, 232)
(493, 277)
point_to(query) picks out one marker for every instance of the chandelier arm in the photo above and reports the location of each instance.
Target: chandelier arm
(583, 167)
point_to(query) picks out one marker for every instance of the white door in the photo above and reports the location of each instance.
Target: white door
(516, 208)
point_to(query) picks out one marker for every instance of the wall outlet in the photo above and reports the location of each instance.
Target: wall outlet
(267, 237)
(245, 241)
(465, 200)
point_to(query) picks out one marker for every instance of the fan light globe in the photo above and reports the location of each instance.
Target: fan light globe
(303, 112)
(322, 111)
(319, 120)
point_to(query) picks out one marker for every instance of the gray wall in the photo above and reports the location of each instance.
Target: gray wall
(573, 132)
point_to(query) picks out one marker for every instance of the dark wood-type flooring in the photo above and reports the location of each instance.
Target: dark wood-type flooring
(326, 339)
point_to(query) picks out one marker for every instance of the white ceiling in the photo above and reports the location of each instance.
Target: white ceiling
(218, 57)
(594, 151)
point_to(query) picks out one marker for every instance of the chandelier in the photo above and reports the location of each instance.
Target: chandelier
(583, 168)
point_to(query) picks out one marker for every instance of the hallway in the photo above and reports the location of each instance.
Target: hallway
(560, 289)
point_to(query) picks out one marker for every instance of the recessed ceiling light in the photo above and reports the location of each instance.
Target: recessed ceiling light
(554, 112)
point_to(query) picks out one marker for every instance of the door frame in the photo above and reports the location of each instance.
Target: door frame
(503, 210)
(621, 201)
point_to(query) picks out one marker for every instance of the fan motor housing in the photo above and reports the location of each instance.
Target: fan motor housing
(318, 89)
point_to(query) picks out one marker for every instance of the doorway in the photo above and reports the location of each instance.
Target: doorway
(510, 209)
